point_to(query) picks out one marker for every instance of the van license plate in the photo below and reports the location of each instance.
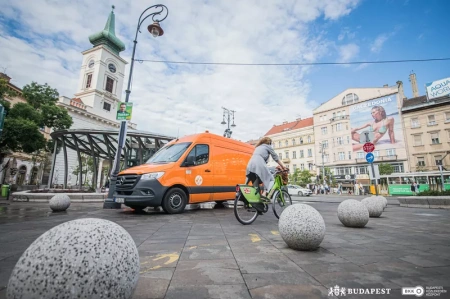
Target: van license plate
(120, 199)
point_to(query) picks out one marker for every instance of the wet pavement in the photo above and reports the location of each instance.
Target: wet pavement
(206, 253)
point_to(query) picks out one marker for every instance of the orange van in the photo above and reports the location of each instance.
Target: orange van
(193, 169)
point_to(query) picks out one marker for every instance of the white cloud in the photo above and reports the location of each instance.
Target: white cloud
(378, 43)
(47, 46)
(348, 52)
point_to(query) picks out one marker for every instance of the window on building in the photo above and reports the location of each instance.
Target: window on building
(431, 120)
(88, 80)
(301, 140)
(310, 166)
(420, 161)
(361, 170)
(106, 106)
(325, 143)
(348, 139)
(334, 156)
(321, 118)
(376, 153)
(341, 156)
(338, 127)
(324, 130)
(293, 141)
(309, 139)
(334, 114)
(435, 138)
(447, 116)
(309, 152)
(437, 160)
(415, 123)
(326, 158)
(390, 152)
(286, 154)
(109, 84)
(295, 166)
(360, 155)
(350, 99)
(398, 167)
(417, 140)
(301, 154)
(286, 143)
(339, 140)
(349, 155)
(302, 166)
(294, 155)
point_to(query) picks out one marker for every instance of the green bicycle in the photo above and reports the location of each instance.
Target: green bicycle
(249, 202)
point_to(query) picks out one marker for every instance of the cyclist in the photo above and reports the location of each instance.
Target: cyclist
(258, 161)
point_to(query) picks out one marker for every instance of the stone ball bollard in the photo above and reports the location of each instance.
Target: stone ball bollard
(84, 258)
(59, 202)
(374, 205)
(353, 213)
(301, 227)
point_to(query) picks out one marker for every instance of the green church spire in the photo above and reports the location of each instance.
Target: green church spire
(108, 36)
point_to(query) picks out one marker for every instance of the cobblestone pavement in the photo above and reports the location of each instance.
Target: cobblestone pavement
(207, 254)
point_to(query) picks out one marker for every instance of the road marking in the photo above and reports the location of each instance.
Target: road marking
(171, 258)
(254, 238)
(275, 232)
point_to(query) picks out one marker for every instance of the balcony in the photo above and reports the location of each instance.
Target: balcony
(378, 159)
(432, 123)
(336, 118)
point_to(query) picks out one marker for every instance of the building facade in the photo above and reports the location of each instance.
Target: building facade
(344, 123)
(294, 144)
(427, 128)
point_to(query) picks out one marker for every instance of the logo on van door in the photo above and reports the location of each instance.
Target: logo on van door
(198, 180)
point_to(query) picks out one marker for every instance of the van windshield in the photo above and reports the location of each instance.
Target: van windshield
(169, 153)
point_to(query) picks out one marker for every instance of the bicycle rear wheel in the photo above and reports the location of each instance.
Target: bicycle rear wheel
(281, 200)
(244, 212)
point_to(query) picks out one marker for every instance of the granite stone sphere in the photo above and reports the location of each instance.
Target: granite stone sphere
(374, 205)
(301, 227)
(84, 258)
(59, 202)
(353, 213)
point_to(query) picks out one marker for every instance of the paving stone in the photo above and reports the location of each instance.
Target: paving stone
(265, 263)
(315, 269)
(153, 284)
(286, 291)
(257, 280)
(208, 291)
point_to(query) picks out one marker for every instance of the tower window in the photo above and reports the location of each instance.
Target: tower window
(88, 80)
(106, 106)
(109, 84)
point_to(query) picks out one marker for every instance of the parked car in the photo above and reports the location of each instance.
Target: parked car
(298, 190)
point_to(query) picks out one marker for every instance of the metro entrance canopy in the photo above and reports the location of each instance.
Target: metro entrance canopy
(102, 144)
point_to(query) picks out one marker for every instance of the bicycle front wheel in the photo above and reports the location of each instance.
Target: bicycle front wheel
(281, 200)
(244, 212)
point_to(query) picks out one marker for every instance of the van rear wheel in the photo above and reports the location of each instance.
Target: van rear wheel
(175, 201)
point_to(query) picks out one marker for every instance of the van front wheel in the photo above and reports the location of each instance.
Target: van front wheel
(175, 201)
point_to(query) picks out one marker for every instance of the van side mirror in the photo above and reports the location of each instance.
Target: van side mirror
(190, 161)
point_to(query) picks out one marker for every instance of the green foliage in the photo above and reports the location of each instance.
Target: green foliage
(329, 178)
(38, 95)
(434, 193)
(420, 168)
(301, 177)
(385, 168)
(87, 163)
(24, 120)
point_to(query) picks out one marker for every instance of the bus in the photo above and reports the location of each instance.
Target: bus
(400, 183)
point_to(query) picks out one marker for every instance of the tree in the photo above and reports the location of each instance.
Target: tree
(87, 162)
(23, 122)
(385, 168)
(329, 177)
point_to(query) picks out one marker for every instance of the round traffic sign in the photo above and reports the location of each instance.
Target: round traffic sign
(368, 147)
(370, 157)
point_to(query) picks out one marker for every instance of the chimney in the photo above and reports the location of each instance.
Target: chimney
(386, 85)
(5, 77)
(401, 91)
(413, 80)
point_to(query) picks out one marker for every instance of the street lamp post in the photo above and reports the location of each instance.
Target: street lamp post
(229, 113)
(156, 31)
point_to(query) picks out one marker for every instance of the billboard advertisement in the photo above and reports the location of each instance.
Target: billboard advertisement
(377, 121)
(438, 88)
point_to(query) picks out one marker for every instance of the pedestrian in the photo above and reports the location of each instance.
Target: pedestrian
(413, 188)
(361, 188)
(417, 188)
(356, 189)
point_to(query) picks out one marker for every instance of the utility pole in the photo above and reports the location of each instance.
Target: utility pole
(373, 167)
(322, 144)
(229, 113)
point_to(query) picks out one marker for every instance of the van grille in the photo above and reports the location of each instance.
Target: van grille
(126, 181)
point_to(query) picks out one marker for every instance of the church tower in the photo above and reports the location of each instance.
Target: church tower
(102, 72)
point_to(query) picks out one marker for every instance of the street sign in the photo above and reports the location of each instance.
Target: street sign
(370, 157)
(368, 147)
(374, 171)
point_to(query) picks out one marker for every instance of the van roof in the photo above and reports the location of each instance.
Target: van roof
(194, 137)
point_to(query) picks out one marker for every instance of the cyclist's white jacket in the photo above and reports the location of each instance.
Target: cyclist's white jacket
(258, 161)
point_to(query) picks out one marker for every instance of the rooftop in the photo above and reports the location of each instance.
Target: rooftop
(289, 126)
(108, 36)
(422, 102)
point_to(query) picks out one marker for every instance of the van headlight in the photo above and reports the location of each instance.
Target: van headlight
(151, 176)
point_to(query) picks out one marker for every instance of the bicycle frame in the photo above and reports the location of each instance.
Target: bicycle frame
(252, 194)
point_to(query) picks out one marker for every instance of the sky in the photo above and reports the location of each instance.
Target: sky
(41, 41)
